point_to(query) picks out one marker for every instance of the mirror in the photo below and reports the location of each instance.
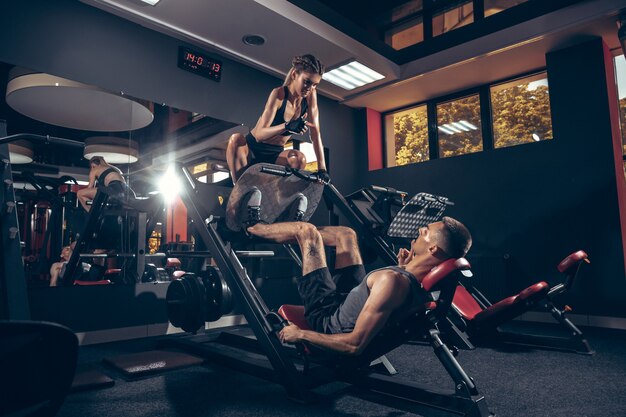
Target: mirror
(140, 138)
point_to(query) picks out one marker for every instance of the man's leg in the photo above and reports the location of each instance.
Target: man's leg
(316, 286)
(349, 270)
(305, 234)
(345, 241)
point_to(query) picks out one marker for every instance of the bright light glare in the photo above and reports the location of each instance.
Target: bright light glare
(169, 185)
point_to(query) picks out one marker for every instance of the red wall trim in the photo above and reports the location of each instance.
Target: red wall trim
(374, 140)
(176, 221)
(620, 180)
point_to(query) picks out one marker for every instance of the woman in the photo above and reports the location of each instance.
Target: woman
(290, 109)
(102, 174)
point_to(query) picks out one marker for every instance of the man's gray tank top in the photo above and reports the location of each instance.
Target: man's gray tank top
(344, 318)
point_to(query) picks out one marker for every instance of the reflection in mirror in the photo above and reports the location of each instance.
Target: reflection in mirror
(96, 213)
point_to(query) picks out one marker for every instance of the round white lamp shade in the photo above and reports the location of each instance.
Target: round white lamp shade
(62, 102)
(113, 150)
(21, 152)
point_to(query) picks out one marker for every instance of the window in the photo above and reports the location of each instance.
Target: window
(406, 34)
(518, 111)
(459, 129)
(521, 111)
(207, 172)
(620, 74)
(453, 18)
(407, 136)
(405, 25)
(496, 6)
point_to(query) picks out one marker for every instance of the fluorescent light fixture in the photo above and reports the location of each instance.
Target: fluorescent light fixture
(460, 126)
(536, 137)
(468, 124)
(452, 128)
(445, 130)
(457, 127)
(352, 75)
(151, 2)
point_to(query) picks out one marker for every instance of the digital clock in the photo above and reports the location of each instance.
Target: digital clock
(199, 63)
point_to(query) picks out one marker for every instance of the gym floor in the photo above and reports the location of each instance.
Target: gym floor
(515, 381)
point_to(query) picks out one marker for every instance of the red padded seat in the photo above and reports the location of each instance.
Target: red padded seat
(572, 260)
(535, 292)
(100, 282)
(178, 274)
(514, 305)
(294, 314)
(173, 263)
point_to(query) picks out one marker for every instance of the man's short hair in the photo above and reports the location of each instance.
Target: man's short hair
(97, 160)
(454, 238)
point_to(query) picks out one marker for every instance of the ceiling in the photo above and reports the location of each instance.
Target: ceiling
(336, 32)
(310, 26)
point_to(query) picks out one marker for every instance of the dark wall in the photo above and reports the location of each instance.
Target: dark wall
(529, 206)
(79, 42)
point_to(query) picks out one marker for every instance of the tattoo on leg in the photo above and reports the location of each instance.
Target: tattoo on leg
(312, 251)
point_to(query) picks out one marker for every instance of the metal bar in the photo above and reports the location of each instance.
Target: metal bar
(44, 139)
(207, 254)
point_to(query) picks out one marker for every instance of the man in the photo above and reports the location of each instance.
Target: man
(348, 323)
(55, 269)
(102, 174)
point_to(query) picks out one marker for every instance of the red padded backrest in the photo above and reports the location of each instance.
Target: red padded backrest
(441, 271)
(465, 303)
(572, 260)
(101, 282)
(294, 314)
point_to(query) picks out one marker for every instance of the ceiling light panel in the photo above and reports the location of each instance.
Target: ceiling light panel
(352, 75)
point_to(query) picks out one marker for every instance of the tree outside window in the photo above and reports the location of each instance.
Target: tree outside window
(459, 128)
(407, 136)
(521, 111)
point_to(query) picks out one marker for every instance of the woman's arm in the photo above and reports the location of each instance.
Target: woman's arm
(263, 131)
(314, 128)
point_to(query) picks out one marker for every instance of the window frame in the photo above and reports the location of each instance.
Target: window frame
(486, 117)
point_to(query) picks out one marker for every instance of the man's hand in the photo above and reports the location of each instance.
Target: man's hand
(290, 334)
(403, 256)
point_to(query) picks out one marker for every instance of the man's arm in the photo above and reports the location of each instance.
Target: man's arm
(387, 292)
